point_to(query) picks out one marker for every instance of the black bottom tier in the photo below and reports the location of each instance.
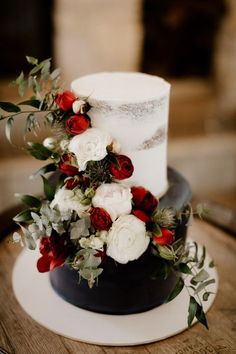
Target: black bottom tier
(133, 287)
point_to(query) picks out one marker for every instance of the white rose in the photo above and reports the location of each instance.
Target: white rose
(68, 201)
(115, 198)
(78, 106)
(127, 239)
(89, 146)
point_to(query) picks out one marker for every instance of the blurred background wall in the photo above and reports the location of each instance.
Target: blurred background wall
(191, 43)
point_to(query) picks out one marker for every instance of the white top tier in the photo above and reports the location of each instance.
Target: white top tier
(133, 108)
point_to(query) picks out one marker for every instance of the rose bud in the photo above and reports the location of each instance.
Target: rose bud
(166, 238)
(144, 200)
(124, 169)
(115, 147)
(66, 167)
(77, 124)
(71, 183)
(79, 106)
(65, 100)
(50, 143)
(141, 215)
(100, 219)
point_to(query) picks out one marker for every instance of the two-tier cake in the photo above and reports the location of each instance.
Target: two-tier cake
(133, 109)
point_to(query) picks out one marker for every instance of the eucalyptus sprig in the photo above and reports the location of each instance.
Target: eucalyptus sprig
(45, 85)
(195, 278)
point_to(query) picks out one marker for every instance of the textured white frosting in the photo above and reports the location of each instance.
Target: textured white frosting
(133, 108)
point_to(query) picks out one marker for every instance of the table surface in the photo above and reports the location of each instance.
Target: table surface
(20, 334)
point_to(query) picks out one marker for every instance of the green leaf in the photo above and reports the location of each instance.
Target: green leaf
(184, 268)
(23, 216)
(45, 169)
(201, 316)
(199, 277)
(8, 128)
(192, 310)
(177, 289)
(202, 259)
(49, 190)
(9, 107)
(30, 200)
(204, 284)
(39, 151)
(32, 60)
(33, 103)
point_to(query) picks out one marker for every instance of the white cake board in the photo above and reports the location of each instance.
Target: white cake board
(36, 296)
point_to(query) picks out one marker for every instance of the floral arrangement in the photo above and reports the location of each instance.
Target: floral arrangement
(89, 211)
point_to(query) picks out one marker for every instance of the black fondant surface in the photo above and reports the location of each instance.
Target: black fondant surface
(127, 288)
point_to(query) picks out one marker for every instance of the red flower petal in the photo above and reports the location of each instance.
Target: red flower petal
(141, 215)
(43, 264)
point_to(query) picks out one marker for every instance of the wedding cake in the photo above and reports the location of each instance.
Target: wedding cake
(133, 109)
(111, 223)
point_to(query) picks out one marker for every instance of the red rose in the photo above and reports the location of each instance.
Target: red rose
(124, 169)
(54, 252)
(65, 100)
(66, 167)
(141, 215)
(77, 124)
(100, 219)
(166, 238)
(143, 199)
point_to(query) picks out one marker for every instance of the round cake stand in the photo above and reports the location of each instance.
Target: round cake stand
(36, 296)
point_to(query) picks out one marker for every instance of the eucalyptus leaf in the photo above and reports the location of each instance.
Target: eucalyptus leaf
(9, 107)
(22, 87)
(177, 289)
(29, 240)
(204, 284)
(200, 277)
(45, 71)
(192, 310)
(55, 74)
(206, 295)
